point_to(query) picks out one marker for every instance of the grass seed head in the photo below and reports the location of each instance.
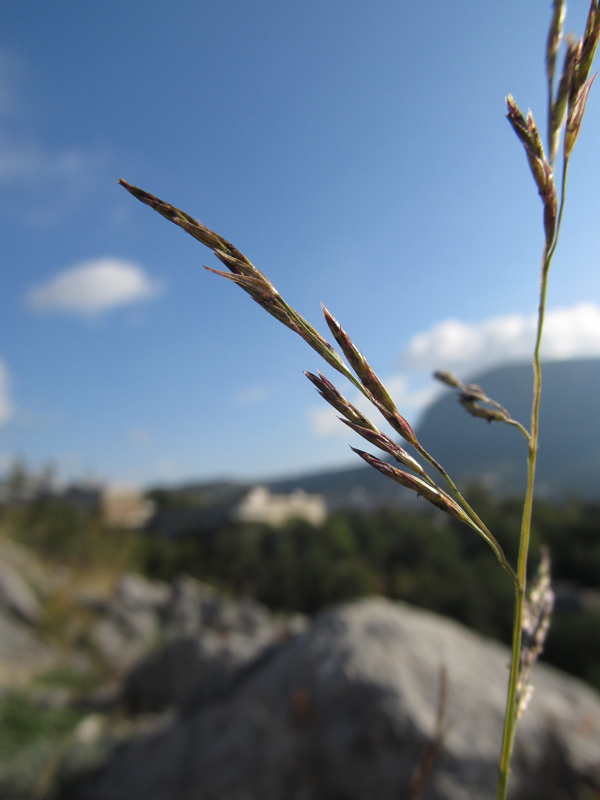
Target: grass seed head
(399, 424)
(471, 406)
(589, 44)
(244, 273)
(193, 226)
(357, 361)
(527, 131)
(336, 399)
(555, 37)
(434, 496)
(386, 444)
(374, 387)
(536, 623)
(575, 117)
(559, 106)
(550, 212)
(262, 293)
(448, 379)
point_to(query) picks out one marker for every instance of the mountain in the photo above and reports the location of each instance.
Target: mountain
(494, 454)
(471, 450)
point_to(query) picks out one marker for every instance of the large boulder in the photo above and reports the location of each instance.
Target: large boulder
(211, 643)
(346, 711)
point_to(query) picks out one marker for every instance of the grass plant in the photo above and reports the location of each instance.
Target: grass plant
(567, 97)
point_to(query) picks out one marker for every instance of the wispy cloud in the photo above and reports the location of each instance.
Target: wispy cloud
(138, 436)
(93, 287)
(468, 347)
(39, 184)
(250, 394)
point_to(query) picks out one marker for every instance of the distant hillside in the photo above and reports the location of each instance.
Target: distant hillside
(361, 488)
(494, 454)
(356, 487)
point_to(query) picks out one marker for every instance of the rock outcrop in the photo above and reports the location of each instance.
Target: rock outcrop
(345, 712)
(210, 642)
(23, 653)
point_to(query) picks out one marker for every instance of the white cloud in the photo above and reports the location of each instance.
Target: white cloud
(406, 396)
(324, 422)
(250, 394)
(6, 405)
(468, 347)
(93, 287)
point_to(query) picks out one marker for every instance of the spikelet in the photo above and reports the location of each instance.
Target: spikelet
(244, 273)
(527, 132)
(366, 375)
(536, 623)
(554, 38)
(433, 495)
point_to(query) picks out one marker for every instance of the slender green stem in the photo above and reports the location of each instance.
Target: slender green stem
(563, 191)
(510, 721)
(474, 521)
(522, 428)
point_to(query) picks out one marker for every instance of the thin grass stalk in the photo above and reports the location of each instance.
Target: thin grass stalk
(425, 766)
(519, 427)
(510, 720)
(474, 520)
(563, 192)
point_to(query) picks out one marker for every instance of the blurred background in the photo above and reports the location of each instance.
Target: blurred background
(357, 154)
(155, 422)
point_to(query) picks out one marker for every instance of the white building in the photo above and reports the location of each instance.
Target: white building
(125, 506)
(260, 505)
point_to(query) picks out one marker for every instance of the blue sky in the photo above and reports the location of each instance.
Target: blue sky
(356, 152)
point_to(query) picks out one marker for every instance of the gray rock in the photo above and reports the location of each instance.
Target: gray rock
(130, 622)
(229, 638)
(135, 591)
(194, 605)
(195, 671)
(197, 607)
(22, 653)
(125, 636)
(16, 595)
(44, 578)
(345, 711)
